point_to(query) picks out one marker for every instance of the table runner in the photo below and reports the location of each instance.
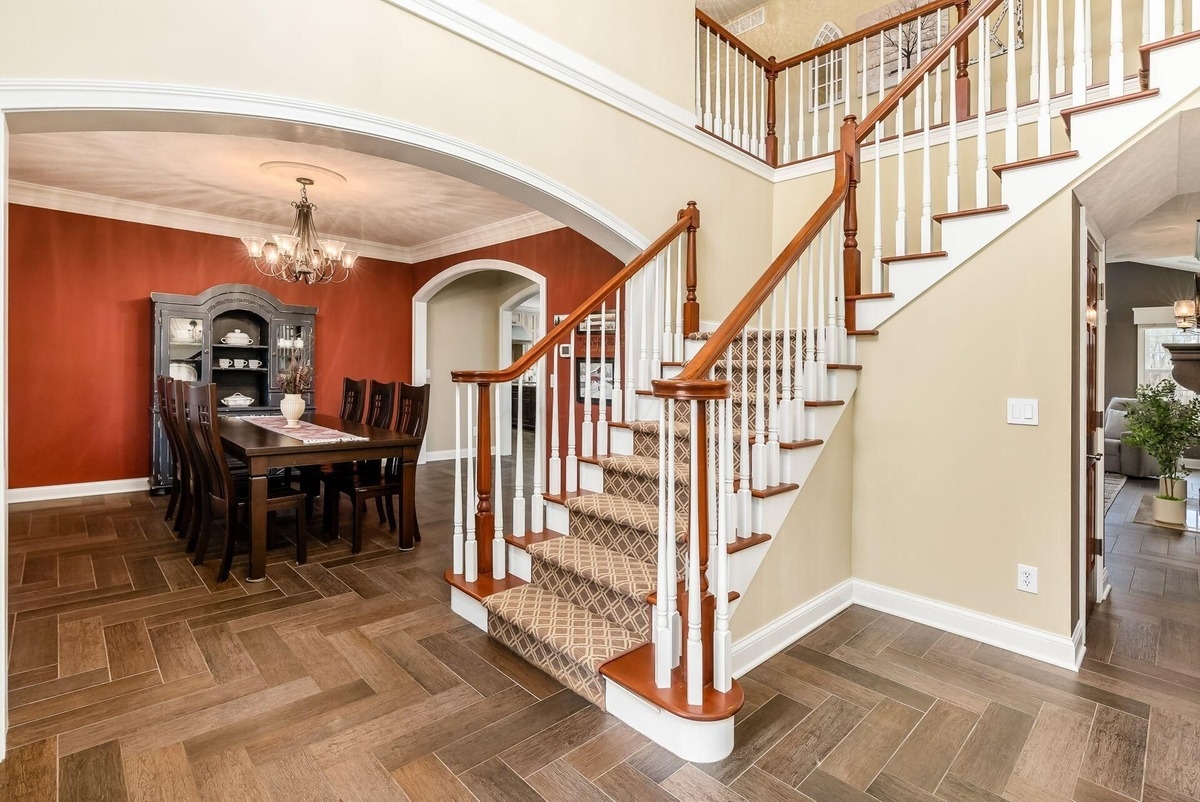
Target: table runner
(305, 432)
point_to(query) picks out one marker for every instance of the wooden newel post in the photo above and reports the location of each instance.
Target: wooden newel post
(962, 87)
(691, 307)
(851, 256)
(485, 519)
(772, 140)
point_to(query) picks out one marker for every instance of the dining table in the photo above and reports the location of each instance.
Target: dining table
(262, 449)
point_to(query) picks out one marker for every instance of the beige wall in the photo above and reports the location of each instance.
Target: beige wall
(811, 553)
(638, 173)
(948, 498)
(464, 333)
(648, 43)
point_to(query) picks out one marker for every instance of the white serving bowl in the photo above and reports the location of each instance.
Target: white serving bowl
(237, 400)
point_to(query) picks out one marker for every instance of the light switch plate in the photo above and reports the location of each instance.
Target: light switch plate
(1023, 411)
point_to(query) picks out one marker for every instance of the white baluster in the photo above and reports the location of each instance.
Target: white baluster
(668, 316)
(758, 469)
(471, 546)
(537, 502)
(981, 163)
(814, 92)
(1060, 53)
(1010, 81)
(752, 67)
(586, 446)
(1116, 51)
(785, 396)
(744, 505)
(926, 173)
(1078, 64)
(787, 117)
(831, 89)
(602, 423)
(722, 639)
(720, 119)
(556, 461)
(695, 646)
(498, 549)
(699, 81)
(736, 111)
(881, 130)
(680, 269)
(572, 457)
(952, 149)
(518, 509)
(645, 325)
(709, 75)
(1043, 123)
(798, 391)
(811, 391)
(663, 661)
(772, 401)
(635, 359)
(672, 547)
(1196, 15)
(1156, 19)
(1145, 25)
(1177, 18)
(1087, 41)
(458, 491)
(901, 200)
(937, 88)
(617, 413)
(877, 225)
(846, 80)
(839, 274)
(822, 359)
(656, 309)
(1037, 65)
(833, 290)
(863, 94)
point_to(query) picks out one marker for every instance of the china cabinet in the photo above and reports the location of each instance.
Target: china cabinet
(239, 337)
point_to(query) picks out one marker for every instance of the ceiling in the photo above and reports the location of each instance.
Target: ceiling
(1147, 200)
(213, 182)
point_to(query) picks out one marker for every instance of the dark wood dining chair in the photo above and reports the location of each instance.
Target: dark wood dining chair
(178, 502)
(354, 396)
(225, 495)
(195, 526)
(412, 418)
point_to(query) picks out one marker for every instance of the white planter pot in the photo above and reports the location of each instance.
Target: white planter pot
(292, 407)
(1176, 488)
(1170, 512)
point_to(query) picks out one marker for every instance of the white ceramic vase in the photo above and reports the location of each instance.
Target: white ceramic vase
(292, 407)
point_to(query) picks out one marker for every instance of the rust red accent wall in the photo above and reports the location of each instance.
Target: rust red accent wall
(80, 337)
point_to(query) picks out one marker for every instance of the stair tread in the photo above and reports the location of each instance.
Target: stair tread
(1001, 207)
(651, 427)
(621, 510)
(1000, 169)
(568, 629)
(612, 569)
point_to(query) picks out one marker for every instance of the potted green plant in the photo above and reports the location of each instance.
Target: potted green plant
(1165, 426)
(294, 380)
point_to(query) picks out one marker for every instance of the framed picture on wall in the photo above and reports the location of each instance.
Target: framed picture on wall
(598, 322)
(599, 378)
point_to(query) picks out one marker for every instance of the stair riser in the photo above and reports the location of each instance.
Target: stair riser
(578, 678)
(645, 444)
(644, 489)
(623, 610)
(636, 543)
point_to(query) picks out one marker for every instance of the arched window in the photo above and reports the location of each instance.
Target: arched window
(828, 70)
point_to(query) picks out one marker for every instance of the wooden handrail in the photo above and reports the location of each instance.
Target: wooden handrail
(688, 219)
(693, 381)
(738, 44)
(927, 64)
(873, 30)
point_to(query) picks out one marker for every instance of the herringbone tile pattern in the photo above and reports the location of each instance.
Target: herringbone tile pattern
(135, 676)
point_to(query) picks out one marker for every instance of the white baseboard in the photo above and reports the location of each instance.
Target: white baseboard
(1077, 640)
(1057, 650)
(771, 639)
(16, 495)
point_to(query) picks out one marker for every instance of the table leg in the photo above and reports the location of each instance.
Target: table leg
(258, 529)
(408, 506)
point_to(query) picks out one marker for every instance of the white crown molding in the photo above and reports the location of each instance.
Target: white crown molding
(523, 225)
(68, 200)
(520, 182)
(17, 495)
(488, 28)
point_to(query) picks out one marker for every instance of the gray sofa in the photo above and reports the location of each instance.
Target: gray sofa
(1119, 456)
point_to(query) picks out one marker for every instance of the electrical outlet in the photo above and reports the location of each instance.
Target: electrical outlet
(1026, 578)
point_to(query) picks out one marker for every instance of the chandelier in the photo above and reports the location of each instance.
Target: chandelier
(302, 255)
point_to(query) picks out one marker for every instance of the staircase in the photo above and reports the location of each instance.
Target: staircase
(619, 574)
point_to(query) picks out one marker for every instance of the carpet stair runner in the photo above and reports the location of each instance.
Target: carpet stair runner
(586, 601)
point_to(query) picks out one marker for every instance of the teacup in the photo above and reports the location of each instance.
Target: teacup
(256, 363)
(239, 363)
(225, 362)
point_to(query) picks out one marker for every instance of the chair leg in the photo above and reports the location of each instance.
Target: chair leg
(173, 501)
(379, 508)
(390, 500)
(230, 536)
(360, 509)
(329, 513)
(203, 531)
(301, 535)
(183, 512)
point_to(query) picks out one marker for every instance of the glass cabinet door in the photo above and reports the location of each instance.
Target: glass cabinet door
(292, 342)
(1156, 361)
(186, 335)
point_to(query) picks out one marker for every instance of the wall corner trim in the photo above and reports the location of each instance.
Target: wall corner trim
(772, 638)
(16, 495)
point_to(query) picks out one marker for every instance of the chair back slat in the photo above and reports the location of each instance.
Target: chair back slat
(354, 392)
(412, 416)
(205, 427)
(381, 404)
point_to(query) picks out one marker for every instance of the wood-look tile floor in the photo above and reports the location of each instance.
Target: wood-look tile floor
(135, 676)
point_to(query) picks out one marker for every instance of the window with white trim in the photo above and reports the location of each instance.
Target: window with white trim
(827, 73)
